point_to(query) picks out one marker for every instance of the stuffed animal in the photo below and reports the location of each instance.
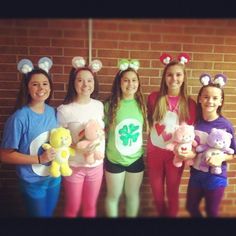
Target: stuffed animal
(217, 143)
(94, 135)
(183, 141)
(60, 139)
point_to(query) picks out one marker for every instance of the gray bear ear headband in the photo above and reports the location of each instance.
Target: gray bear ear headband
(79, 62)
(219, 79)
(25, 65)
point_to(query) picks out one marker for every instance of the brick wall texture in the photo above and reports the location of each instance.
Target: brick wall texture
(211, 44)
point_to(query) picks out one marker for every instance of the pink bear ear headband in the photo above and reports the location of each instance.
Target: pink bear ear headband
(219, 79)
(25, 65)
(79, 62)
(183, 58)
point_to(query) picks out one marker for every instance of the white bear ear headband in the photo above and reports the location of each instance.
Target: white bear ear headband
(79, 62)
(124, 64)
(183, 58)
(219, 79)
(25, 65)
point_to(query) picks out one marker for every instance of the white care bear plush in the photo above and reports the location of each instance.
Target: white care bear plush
(217, 143)
(182, 142)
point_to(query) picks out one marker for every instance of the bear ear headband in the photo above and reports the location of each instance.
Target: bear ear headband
(79, 62)
(219, 79)
(25, 65)
(183, 58)
(124, 64)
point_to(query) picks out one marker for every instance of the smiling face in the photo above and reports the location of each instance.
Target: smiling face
(39, 88)
(210, 100)
(84, 84)
(129, 84)
(174, 79)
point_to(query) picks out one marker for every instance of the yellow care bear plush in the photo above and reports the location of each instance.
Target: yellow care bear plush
(60, 139)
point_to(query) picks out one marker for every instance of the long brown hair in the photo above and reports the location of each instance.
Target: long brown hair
(71, 91)
(161, 104)
(115, 98)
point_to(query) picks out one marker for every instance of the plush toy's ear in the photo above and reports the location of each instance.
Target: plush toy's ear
(205, 79)
(134, 64)
(184, 58)
(25, 66)
(220, 79)
(166, 58)
(78, 62)
(123, 64)
(95, 65)
(45, 64)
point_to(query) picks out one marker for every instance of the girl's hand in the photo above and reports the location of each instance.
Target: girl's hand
(47, 156)
(185, 156)
(215, 158)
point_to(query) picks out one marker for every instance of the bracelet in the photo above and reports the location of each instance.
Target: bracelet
(39, 159)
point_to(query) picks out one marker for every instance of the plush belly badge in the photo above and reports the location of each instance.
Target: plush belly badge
(183, 141)
(93, 136)
(60, 139)
(217, 144)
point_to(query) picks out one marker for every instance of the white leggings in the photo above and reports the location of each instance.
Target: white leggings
(115, 183)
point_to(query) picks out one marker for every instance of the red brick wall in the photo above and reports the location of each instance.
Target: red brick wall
(211, 44)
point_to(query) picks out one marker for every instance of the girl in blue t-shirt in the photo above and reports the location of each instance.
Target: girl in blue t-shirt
(24, 133)
(203, 182)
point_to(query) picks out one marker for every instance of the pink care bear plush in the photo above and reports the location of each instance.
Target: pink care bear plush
(217, 143)
(183, 141)
(94, 135)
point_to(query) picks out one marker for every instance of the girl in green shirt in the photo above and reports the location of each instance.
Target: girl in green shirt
(125, 119)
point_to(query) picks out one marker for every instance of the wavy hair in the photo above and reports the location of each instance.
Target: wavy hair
(115, 98)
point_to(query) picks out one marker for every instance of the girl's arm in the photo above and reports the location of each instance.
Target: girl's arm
(11, 156)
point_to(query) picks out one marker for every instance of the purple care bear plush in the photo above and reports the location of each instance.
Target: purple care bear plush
(217, 143)
(183, 141)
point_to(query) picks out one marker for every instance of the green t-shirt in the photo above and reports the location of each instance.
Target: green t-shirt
(125, 140)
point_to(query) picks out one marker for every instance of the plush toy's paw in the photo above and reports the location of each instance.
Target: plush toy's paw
(46, 146)
(90, 159)
(55, 173)
(216, 170)
(177, 163)
(66, 172)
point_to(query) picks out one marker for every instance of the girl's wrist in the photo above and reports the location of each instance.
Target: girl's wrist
(39, 161)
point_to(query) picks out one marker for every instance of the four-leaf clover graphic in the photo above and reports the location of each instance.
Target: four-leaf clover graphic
(128, 134)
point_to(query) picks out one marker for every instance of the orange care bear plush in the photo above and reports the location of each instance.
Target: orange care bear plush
(60, 139)
(183, 141)
(94, 135)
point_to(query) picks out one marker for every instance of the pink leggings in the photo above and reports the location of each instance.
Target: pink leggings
(162, 172)
(82, 188)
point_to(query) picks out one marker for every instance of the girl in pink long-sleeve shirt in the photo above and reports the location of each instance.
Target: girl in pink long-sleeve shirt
(167, 108)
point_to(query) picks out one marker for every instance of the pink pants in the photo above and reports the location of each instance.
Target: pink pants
(162, 172)
(82, 189)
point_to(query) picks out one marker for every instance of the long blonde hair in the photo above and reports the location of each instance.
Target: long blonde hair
(161, 104)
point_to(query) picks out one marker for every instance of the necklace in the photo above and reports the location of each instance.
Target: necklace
(173, 103)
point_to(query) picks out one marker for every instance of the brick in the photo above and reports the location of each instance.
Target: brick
(67, 43)
(46, 33)
(67, 24)
(45, 51)
(133, 46)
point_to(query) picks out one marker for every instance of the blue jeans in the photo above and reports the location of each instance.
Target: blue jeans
(41, 197)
